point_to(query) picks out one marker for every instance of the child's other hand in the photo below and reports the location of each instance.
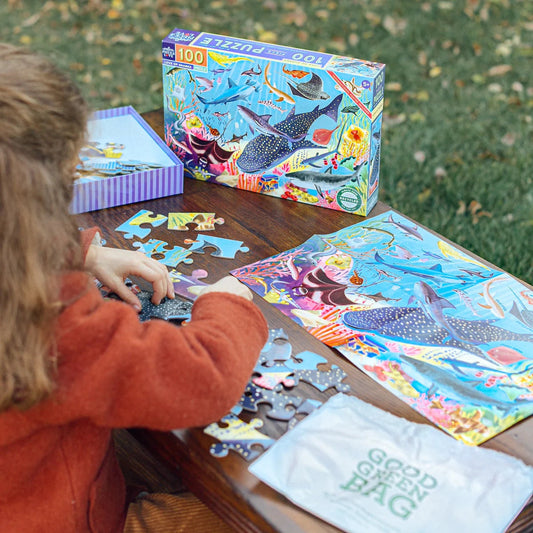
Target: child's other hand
(112, 266)
(231, 285)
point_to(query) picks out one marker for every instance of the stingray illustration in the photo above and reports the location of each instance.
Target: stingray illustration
(208, 150)
(267, 151)
(411, 324)
(313, 283)
(311, 90)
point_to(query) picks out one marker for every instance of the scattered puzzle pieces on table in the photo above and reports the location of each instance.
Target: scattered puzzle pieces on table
(168, 309)
(305, 369)
(188, 286)
(253, 396)
(226, 248)
(203, 221)
(132, 227)
(238, 436)
(171, 257)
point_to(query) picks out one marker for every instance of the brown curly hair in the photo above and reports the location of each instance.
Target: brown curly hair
(43, 119)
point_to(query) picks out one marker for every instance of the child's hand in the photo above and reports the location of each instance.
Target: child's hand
(112, 266)
(231, 285)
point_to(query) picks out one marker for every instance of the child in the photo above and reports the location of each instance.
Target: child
(73, 366)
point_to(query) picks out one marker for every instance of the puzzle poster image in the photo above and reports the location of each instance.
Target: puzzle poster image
(445, 333)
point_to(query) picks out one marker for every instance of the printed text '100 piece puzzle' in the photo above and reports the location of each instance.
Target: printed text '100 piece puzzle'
(295, 124)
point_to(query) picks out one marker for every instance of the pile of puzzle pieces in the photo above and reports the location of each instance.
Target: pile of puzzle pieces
(136, 227)
(276, 370)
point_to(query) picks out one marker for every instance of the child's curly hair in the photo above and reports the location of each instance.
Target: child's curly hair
(42, 127)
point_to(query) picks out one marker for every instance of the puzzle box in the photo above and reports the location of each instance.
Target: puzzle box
(291, 123)
(124, 161)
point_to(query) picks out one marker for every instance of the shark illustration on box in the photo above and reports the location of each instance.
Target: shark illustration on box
(444, 332)
(290, 123)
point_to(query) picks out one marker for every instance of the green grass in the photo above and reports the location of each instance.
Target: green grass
(457, 140)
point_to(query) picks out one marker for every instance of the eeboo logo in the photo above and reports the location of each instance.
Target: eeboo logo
(349, 199)
(169, 52)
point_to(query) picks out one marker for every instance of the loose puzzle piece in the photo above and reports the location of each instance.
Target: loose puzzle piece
(270, 377)
(171, 257)
(203, 221)
(226, 248)
(306, 408)
(253, 396)
(276, 348)
(188, 286)
(238, 436)
(132, 227)
(168, 309)
(305, 370)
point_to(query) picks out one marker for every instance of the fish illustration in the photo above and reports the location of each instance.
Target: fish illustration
(449, 251)
(252, 72)
(233, 93)
(282, 96)
(491, 304)
(524, 315)
(237, 138)
(310, 90)
(379, 230)
(435, 272)
(351, 109)
(444, 382)
(220, 70)
(298, 74)
(173, 70)
(272, 105)
(266, 151)
(433, 305)
(467, 300)
(505, 355)
(406, 230)
(410, 324)
(262, 124)
(323, 136)
(528, 298)
(225, 61)
(206, 83)
(326, 180)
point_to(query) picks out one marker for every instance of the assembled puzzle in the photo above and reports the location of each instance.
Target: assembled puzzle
(124, 161)
(285, 122)
(447, 334)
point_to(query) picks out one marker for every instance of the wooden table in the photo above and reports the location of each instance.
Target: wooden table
(267, 226)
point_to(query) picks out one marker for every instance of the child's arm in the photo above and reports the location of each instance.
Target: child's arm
(112, 266)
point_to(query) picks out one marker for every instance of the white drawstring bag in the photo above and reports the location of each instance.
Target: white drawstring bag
(365, 470)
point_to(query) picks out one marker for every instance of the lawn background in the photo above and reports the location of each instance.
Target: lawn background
(458, 128)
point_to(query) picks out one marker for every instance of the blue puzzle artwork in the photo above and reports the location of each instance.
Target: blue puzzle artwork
(168, 309)
(132, 227)
(253, 396)
(171, 257)
(188, 286)
(446, 333)
(226, 248)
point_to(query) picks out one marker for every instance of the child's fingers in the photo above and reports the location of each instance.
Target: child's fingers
(157, 274)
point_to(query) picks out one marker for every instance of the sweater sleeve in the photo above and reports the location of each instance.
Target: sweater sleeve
(120, 372)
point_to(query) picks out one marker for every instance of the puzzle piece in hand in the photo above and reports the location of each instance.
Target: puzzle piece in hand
(172, 256)
(253, 396)
(226, 248)
(238, 436)
(203, 221)
(276, 348)
(188, 286)
(306, 408)
(168, 309)
(132, 227)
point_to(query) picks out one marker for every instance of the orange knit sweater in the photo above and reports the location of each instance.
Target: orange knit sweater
(57, 463)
